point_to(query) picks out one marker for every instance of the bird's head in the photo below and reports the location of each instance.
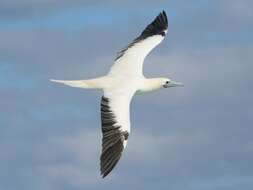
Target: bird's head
(166, 83)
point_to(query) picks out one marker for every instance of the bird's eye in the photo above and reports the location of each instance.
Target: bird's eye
(167, 82)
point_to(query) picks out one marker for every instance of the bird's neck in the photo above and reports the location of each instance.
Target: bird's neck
(149, 85)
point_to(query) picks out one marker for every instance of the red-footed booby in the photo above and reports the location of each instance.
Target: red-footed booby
(123, 81)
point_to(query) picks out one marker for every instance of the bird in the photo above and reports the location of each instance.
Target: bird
(124, 80)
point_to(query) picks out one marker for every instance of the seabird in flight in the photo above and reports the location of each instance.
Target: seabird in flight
(123, 81)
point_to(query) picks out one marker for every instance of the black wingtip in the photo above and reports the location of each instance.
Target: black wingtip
(165, 17)
(162, 17)
(156, 27)
(164, 13)
(103, 175)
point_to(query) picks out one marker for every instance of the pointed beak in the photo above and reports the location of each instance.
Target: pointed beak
(173, 84)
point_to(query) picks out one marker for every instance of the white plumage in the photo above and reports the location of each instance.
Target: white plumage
(132, 61)
(124, 80)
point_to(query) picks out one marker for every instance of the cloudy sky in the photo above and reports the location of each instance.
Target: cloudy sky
(199, 137)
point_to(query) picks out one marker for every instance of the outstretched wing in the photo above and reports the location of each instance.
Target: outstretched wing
(130, 59)
(115, 128)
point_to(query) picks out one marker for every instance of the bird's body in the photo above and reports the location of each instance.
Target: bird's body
(123, 81)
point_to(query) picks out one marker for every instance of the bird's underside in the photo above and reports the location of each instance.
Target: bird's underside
(116, 100)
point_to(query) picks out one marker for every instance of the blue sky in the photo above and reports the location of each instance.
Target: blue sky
(198, 137)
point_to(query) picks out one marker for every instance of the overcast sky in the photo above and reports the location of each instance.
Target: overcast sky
(199, 137)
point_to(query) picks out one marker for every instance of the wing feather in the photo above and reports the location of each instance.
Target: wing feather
(130, 59)
(116, 102)
(115, 130)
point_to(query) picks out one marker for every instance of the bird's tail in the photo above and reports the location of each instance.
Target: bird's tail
(90, 84)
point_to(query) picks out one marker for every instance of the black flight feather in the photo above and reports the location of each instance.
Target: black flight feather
(156, 27)
(113, 139)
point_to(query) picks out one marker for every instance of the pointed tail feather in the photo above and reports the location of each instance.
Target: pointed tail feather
(97, 83)
(72, 83)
